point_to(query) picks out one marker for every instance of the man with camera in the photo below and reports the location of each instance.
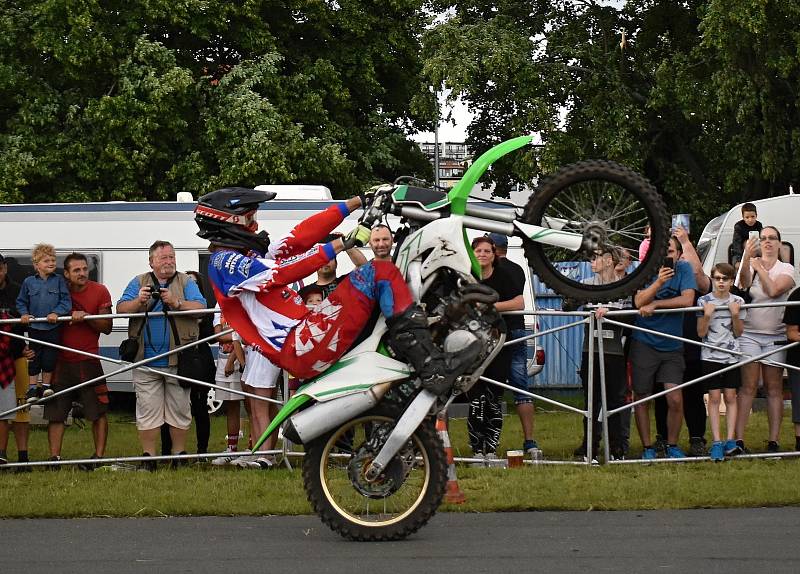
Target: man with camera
(88, 298)
(160, 398)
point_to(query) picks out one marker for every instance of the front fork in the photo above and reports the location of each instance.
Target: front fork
(405, 427)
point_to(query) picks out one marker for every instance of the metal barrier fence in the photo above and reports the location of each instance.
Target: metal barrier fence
(284, 452)
(589, 318)
(595, 324)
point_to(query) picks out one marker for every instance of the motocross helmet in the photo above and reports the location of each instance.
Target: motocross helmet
(227, 217)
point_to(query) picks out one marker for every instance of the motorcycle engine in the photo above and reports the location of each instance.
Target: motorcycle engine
(463, 313)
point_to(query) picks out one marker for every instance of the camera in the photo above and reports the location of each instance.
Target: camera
(668, 262)
(155, 293)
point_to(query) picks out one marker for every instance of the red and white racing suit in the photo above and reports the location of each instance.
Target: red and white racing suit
(255, 296)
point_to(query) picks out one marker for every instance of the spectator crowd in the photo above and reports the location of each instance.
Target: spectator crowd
(638, 362)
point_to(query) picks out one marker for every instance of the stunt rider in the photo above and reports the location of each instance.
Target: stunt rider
(251, 277)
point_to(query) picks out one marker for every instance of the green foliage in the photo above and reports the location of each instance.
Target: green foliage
(702, 96)
(104, 100)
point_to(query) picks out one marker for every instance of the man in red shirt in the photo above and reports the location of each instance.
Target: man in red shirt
(88, 298)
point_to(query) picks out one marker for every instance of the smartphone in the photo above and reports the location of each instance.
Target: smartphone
(668, 262)
(755, 235)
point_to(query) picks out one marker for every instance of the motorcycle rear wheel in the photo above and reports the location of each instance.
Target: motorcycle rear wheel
(396, 505)
(602, 196)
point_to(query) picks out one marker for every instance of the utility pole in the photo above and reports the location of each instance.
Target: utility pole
(436, 149)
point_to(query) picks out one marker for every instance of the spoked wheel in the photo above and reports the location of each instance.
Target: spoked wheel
(610, 206)
(395, 505)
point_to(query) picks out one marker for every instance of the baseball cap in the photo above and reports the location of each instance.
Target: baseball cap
(499, 239)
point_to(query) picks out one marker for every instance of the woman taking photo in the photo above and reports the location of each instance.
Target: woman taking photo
(769, 280)
(485, 419)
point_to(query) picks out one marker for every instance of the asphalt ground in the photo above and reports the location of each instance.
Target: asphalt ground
(729, 541)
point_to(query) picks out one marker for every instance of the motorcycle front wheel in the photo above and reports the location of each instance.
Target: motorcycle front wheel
(395, 505)
(611, 206)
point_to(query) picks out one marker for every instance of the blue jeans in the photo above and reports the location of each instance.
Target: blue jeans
(519, 366)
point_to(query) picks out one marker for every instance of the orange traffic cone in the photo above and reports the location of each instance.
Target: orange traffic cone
(453, 494)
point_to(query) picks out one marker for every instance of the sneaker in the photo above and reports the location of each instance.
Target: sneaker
(265, 462)
(32, 395)
(649, 454)
(177, 463)
(697, 446)
(89, 466)
(773, 446)
(675, 451)
(492, 460)
(246, 462)
(480, 462)
(717, 451)
(56, 467)
(534, 453)
(47, 391)
(148, 465)
(223, 461)
(529, 444)
(660, 446)
(580, 452)
(731, 448)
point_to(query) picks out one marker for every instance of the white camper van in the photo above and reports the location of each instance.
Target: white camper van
(783, 212)
(115, 237)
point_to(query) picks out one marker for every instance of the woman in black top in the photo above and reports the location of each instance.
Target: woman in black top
(485, 420)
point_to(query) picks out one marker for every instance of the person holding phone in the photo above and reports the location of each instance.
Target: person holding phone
(769, 280)
(658, 360)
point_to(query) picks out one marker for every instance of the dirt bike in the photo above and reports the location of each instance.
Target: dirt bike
(374, 467)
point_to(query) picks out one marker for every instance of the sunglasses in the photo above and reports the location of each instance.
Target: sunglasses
(721, 278)
(769, 238)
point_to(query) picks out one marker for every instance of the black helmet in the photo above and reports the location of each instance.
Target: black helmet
(228, 217)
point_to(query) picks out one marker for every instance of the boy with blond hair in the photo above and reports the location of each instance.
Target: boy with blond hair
(43, 294)
(721, 327)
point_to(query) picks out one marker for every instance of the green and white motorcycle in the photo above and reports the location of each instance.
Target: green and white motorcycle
(374, 467)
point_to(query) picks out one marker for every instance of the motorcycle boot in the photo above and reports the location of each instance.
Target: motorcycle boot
(410, 340)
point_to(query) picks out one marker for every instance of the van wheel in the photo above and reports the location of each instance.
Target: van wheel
(608, 204)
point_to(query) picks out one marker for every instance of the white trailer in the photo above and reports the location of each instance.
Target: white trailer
(115, 237)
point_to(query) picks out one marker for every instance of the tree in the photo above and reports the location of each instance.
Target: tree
(701, 96)
(106, 100)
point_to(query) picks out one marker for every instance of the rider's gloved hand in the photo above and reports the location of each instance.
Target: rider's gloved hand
(358, 237)
(368, 196)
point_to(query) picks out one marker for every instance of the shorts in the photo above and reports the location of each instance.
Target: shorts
(518, 377)
(651, 367)
(728, 380)
(160, 399)
(13, 396)
(94, 398)
(260, 372)
(222, 395)
(45, 359)
(753, 344)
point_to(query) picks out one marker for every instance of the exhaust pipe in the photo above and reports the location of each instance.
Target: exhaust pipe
(320, 418)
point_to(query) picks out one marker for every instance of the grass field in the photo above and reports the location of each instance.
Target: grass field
(204, 490)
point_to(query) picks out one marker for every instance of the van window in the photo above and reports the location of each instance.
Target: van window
(20, 265)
